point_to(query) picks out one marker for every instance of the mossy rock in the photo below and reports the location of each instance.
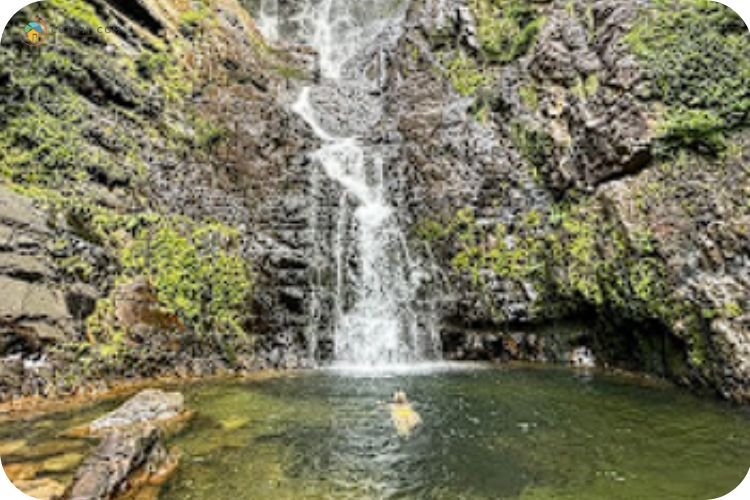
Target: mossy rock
(698, 55)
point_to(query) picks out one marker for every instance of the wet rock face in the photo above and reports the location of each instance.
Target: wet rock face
(573, 118)
(249, 175)
(41, 489)
(449, 160)
(43, 300)
(26, 276)
(563, 343)
(607, 122)
(705, 245)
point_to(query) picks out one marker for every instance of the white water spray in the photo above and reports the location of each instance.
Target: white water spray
(380, 327)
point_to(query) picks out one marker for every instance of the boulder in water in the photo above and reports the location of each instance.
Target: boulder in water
(131, 454)
(121, 454)
(150, 405)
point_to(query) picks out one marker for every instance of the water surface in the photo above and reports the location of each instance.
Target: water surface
(520, 432)
(487, 433)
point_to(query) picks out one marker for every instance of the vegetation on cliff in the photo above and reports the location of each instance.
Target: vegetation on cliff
(698, 54)
(82, 134)
(678, 82)
(197, 271)
(506, 28)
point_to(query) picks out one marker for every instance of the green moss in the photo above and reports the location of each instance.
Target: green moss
(193, 17)
(481, 112)
(39, 147)
(290, 72)
(150, 64)
(732, 310)
(698, 53)
(197, 268)
(529, 96)
(647, 280)
(50, 138)
(506, 28)
(83, 13)
(208, 135)
(431, 230)
(591, 85)
(586, 88)
(535, 145)
(197, 271)
(571, 255)
(77, 268)
(103, 334)
(578, 254)
(643, 241)
(694, 128)
(464, 74)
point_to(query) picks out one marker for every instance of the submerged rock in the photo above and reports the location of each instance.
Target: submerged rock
(10, 447)
(51, 449)
(234, 423)
(23, 471)
(62, 463)
(41, 489)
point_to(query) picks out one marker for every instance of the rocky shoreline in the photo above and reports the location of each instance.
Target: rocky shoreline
(32, 406)
(131, 459)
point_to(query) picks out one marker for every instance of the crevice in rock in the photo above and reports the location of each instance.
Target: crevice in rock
(136, 11)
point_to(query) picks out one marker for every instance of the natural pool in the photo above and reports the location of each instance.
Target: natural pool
(513, 432)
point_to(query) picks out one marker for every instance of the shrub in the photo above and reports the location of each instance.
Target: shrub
(197, 270)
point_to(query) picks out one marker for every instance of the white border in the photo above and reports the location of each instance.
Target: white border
(9, 7)
(8, 491)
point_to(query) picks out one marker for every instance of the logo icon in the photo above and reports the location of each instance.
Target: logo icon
(35, 32)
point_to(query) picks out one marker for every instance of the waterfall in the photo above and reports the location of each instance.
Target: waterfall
(375, 321)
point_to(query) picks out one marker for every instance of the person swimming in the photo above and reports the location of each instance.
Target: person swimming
(405, 419)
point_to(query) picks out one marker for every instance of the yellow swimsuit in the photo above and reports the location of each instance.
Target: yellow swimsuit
(404, 418)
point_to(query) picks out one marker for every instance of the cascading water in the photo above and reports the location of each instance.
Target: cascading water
(375, 320)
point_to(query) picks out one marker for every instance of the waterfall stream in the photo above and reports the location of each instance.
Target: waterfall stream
(375, 321)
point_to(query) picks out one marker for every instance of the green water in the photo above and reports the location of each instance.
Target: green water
(528, 433)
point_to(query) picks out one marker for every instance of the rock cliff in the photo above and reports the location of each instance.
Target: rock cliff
(146, 146)
(580, 167)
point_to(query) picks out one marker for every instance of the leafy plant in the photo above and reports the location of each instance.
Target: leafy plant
(506, 28)
(694, 128)
(698, 54)
(465, 75)
(535, 145)
(197, 271)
